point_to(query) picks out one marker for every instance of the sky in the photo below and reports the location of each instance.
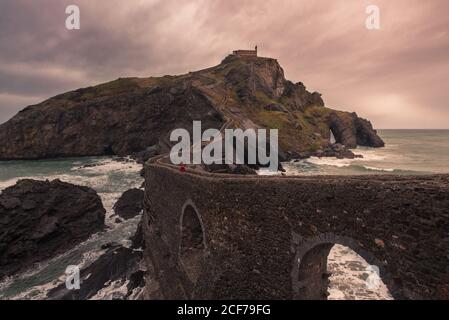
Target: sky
(397, 76)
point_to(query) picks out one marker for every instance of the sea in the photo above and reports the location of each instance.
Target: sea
(407, 152)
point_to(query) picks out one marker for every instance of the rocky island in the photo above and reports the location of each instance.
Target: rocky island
(135, 115)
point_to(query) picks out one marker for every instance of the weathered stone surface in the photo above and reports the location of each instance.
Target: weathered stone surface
(268, 237)
(130, 204)
(230, 168)
(39, 219)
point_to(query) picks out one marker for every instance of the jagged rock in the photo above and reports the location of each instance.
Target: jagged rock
(300, 98)
(148, 153)
(116, 264)
(130, 204)
(366, 135)
(335, 150)
(351, 131)
(136, 280)
(40, 219)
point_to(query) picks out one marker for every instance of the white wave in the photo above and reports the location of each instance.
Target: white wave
(40, 292)
(349, 273)
(7, 183)
(370, 154)
(111, 165)
(112, 290)
(378, 169)
(330, 161)
(267, 172)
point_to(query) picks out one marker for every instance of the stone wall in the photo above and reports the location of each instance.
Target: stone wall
(245, 53)
(269, 237)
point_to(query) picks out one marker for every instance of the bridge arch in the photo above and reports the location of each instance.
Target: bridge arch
(310, 276)
(192, 244)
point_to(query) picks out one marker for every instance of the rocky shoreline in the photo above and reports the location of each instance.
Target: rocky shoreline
(41, 221)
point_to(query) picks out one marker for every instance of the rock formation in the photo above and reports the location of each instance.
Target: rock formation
(39, 219)
(136, 115)
(118, 263)
(130, 204)
(352, 131)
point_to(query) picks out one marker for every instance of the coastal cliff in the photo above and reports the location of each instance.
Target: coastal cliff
(131, 115)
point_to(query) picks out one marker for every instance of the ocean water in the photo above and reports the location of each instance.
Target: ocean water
(407, 152)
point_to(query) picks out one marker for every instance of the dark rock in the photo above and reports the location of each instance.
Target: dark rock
(300, 98)
(9, 202)
(352, 131)
(107, 245)
(40, 219)
(335, 150)
(116, 264)
(91, 165)
(138, 241)
(122, 159)
(136, 280)
(148, 153)
(130, 204)
(366, 135)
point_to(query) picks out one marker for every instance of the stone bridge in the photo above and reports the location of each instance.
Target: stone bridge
(212, 236)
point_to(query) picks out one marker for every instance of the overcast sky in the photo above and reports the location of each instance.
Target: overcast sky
(397, 76)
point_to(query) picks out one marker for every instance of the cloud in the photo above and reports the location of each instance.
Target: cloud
(395, 76)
